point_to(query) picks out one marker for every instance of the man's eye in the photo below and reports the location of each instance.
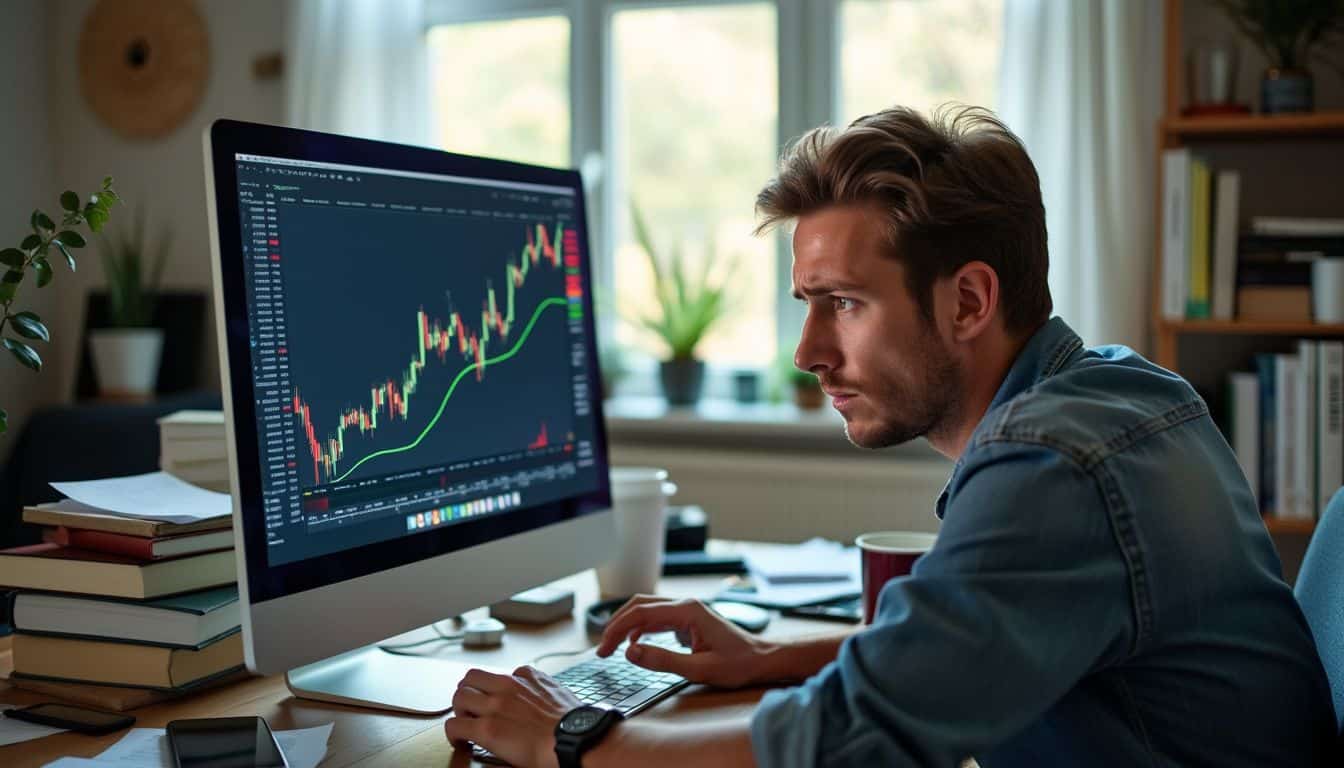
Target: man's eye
(841, 304)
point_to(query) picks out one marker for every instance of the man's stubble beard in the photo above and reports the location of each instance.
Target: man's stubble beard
(919, 414)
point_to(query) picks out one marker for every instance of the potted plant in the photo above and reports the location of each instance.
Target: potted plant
(802, 385)
(688, 306)
(32, 256)
(1289, 33)
(126, 355)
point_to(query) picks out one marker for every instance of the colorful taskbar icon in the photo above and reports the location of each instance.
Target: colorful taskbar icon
(451, 512)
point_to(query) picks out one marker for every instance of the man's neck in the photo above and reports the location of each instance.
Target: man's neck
(980, 383)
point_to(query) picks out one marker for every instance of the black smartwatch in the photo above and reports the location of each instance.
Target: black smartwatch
(581, 730)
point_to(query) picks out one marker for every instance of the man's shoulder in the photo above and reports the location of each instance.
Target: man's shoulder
(1101, 401)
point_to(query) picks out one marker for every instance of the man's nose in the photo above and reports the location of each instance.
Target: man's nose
(817, 351)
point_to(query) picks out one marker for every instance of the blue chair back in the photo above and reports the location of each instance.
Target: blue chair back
(1320, 592)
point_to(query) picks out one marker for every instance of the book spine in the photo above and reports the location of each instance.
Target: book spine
(1330, 412)
(1285, 482)
(1228, 194)
(1197, 308)
(1304, 442)
(1245, 412)
(1266, 366)
(1175, 224)
(114, 543)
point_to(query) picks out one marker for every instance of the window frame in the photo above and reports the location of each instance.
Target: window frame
(809, 95)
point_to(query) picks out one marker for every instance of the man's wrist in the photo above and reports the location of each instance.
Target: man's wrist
(798, 659)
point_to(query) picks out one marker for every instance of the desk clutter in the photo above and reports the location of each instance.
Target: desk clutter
(131, 598)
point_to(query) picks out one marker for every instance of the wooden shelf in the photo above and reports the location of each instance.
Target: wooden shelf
(1251, 328)
(1291, 526)
(1327, 124)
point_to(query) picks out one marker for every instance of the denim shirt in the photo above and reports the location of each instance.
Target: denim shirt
(1102, 592)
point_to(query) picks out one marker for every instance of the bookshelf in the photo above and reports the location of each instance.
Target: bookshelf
(1263, 148)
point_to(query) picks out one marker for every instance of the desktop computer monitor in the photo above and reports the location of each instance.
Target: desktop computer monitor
(411, 393)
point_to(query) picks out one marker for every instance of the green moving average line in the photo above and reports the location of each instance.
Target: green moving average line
(527, 331)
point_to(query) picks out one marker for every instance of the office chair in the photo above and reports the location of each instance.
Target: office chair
(1320, 592)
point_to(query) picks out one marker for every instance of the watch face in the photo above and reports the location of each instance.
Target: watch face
(581, 720)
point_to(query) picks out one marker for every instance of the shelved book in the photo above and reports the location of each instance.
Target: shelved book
(147, 548)
(124, 664)
(192, 447)
(72, 514)
(1287, 428)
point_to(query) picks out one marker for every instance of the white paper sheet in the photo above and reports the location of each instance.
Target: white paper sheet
(14, 731)
(815, 560)
(148, 748)
(151, 496)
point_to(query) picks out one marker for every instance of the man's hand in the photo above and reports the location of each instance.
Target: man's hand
(513, 716)
(721, 654)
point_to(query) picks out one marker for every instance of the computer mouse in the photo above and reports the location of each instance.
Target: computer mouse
(749, 617)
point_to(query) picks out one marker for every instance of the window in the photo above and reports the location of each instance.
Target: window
(682, 106)
(691, 149)
(917, 53)
(501, 88)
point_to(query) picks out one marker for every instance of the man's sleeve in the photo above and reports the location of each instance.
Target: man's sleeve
(1025, 592)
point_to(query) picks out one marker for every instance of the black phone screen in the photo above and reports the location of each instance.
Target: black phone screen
(224, 742)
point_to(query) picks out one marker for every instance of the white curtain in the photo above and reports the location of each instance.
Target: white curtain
(360, 67)
(1080, 83)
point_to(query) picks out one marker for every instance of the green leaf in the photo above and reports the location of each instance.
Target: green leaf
(30, 326)
(44, 274)
(107, 182)
(69, 201)
(71, 238)
(4, 421)
(12, 257)
(69, 259)
(30, 242)
(24, 354)
(13, 276)
(108, 198)
(41, 220)
(7, 291)
(95, 216)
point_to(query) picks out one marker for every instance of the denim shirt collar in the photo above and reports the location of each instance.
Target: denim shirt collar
(1048, 349)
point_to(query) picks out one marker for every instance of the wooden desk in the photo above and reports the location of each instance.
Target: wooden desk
(368, 738)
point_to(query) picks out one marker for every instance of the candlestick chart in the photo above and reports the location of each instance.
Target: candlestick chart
(392, 384)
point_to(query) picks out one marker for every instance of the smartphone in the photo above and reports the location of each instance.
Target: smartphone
(224, 742)
(78, 719)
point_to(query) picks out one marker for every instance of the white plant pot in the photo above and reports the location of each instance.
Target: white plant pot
(126, 360)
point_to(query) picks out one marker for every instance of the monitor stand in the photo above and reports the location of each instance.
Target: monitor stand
(370, 677)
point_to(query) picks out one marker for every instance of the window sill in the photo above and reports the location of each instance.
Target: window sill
(718, 423)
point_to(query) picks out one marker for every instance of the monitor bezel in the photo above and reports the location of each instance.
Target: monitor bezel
(229, 138)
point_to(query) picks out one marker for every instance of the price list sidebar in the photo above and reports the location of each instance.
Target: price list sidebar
(270, 363)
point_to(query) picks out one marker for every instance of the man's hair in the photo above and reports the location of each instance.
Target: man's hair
(953, 189)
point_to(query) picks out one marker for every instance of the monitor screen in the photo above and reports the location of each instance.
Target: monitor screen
(421, 357)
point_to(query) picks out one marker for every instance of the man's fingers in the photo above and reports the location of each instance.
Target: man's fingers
(470, 702)
(489, 682)
(461, 730)
(688, 665)
(647, 619)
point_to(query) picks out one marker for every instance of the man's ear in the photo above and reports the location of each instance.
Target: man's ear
(976, 286)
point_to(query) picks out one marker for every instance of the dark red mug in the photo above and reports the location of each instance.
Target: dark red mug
(886, 555)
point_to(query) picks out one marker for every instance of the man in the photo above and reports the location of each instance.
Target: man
(1102, 591)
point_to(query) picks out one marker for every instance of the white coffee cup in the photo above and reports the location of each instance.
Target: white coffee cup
(1327, 290)
(639, 503)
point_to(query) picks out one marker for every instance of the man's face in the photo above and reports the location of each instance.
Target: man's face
(885, 367)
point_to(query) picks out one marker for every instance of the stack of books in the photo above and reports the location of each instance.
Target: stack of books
(192, 448)
(1212, 269)
(1287, 428)
(122, 611)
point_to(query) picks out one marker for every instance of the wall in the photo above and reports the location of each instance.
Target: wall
(165, 175)
(26, 157)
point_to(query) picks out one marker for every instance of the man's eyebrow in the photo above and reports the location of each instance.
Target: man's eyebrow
(825, 287)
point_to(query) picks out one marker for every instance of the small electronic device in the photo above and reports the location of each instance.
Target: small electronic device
(224, 742)
(535, 606)
(848, 610)
(94, 722)
(483, 633)
(749, 617)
